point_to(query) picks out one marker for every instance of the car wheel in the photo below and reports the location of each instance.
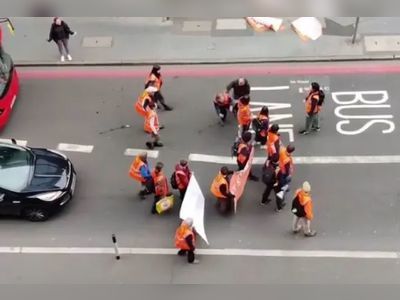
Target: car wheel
(36, 214)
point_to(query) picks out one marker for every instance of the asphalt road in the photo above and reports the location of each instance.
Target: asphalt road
(356, 205)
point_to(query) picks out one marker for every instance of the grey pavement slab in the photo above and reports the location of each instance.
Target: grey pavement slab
(190, 40)
(356, 207)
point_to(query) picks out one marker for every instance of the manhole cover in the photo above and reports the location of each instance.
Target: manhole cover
(97, 42)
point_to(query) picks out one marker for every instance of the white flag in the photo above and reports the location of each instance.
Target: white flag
(193, 207)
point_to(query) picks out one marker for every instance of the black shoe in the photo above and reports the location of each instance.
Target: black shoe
(253, 178)
(266, 202)
(142, 195)
(181, 253)
(153, 212)
(158, 144)
(168, 108)
(162, 127)
(304, 132)
(150, 145)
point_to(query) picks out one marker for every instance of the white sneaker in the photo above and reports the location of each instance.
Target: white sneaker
(69, 57)
(196, 262)
(62, 58)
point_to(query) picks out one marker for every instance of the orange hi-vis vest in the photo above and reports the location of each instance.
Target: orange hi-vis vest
(134, 170)
(244, 114)
(241, 158)
(262, 118)
(284, 158)
(272, 138)
(310, 97)
(181, 234)
(217, 183)
(160, 184)
(305, 201)
(150, 114)
(139, 105)
(157, 81)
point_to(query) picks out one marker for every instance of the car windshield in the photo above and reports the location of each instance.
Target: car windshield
(15, 168)
(5, 70)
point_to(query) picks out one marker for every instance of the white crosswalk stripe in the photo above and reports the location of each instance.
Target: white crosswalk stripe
(134, 152)
(75, 148)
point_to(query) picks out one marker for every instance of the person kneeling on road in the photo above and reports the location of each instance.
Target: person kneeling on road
(152, 126)
(161, 189)
(220, 189)
(302, 209)
(140, 171)
(244, 151)
(185, 240)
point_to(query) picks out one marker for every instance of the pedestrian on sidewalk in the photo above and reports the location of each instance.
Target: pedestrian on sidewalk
(222, 103)
(155, 79)
(161, 188)
(269, 178)
(185, 241)
(244, 151)
(241, 88)
(152, 126)
(302, 208)
(273, 143)
(261, 126)
(313, 104)
(220, 189)
(182, 176)
(140, 171)
(60, 33)
(284, 175)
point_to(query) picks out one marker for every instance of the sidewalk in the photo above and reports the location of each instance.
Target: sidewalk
(150, 40)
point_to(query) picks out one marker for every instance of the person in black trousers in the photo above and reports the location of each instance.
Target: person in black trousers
(270, 179)
(60, 33)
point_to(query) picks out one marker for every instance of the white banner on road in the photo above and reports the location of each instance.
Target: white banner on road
(193, 207)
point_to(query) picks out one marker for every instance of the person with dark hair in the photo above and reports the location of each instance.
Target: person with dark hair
(60, 33)
(313, 107)
(222, 103)
(261, 126)
(284, 176)
(273, 142)
(269, 178)
(155, 79)
(244, 115)
(140, 171)
(220, 189)
(161, 188)
(182, 177)
(244, 151)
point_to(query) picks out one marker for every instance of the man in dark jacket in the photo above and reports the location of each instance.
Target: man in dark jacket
(270, 179)
(59, 33)
(241, 88)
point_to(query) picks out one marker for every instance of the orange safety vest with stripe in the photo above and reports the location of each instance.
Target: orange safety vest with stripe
(160, 184)
(284, 159)
(181, 234)
(157, 82)
(305, 201)
(134, 171)
(242, 158)
(139, 105)
(217, 183)
(312, 96)
(244, 114)
(150, 114)
(272, 138)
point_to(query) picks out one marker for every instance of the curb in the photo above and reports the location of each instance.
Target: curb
(383, 57)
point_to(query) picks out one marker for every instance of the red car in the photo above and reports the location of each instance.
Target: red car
(9, 87)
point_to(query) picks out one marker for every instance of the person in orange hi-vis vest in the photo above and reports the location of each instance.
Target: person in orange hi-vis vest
(312, 108)
(152, 127)
(185, 240)
(161, 188)
(182, 176)
(284, 175)
(244, 151)
(302, 208)
(244, 115)
(143, 101)
(261, 126)
(140, 171)
(273, 143)
(220, 189)
(155, 79)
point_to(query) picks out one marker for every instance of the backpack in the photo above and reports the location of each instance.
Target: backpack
(235, 148)
(321, 98)
(268, 175)
(173, 181)
(297, 208)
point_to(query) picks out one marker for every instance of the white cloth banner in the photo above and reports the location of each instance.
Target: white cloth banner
(193, 207)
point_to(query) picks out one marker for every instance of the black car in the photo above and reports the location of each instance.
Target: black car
(34, 182)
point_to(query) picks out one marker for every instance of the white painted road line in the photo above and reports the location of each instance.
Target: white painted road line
(75, 148)
(303, 160)
(270, 88)
(208, 252)
(134, 152)
(19, 142)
